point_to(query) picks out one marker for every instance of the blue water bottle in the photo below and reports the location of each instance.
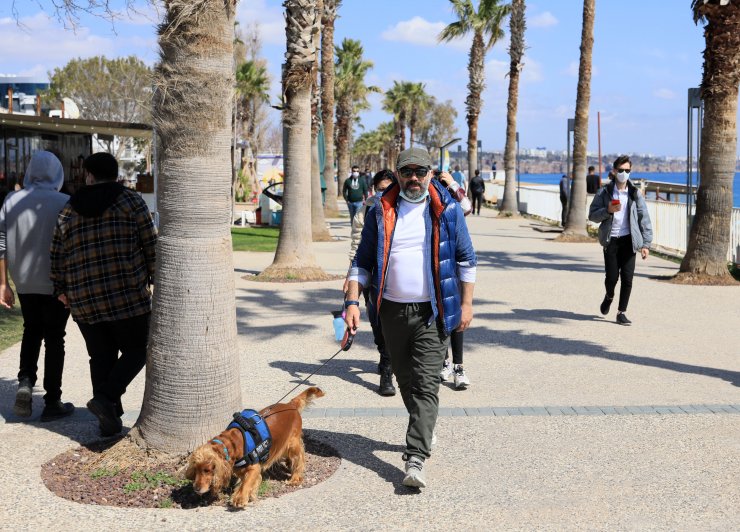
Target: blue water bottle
(339, 325)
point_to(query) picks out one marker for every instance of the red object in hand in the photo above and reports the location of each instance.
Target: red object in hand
(615, 202)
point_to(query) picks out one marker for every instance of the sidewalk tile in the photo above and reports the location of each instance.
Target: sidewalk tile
(554, 411)
(471, 411)
(498, 411)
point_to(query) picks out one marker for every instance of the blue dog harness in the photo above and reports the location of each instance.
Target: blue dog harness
(256, 434)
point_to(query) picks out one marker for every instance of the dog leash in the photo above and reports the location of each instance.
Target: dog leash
(345, 345)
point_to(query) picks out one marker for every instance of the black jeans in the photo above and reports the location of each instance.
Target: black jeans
(44, 318)
(456, 342)
(619, 262)
(477, 197)
(111, 374)
(385, 358)
(564, 213)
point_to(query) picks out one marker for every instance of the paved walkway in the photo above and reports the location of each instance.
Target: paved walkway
(572, 422)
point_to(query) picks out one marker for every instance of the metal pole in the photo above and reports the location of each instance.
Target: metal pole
(598, 118)
(518, 182)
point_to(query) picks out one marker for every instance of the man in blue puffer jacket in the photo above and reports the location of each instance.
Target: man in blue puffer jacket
(416, 256)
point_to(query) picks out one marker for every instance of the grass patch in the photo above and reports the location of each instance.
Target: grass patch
(166, 503)
(104, 473)
(11, 324)
(264, 489)
(142, 480)
(255, 238)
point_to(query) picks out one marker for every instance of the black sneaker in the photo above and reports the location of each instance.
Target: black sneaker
(23, 398)
(57, 410)
(105, 411)
(622, 319)
(606, 304)
(386, 387)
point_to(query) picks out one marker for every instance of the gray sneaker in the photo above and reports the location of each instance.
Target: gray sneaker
(415, 477)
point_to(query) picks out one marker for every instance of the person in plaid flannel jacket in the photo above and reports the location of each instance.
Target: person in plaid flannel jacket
(102, 266)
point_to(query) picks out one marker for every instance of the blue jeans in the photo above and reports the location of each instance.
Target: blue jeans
(353, 207)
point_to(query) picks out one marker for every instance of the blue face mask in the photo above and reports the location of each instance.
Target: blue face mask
(417, 200)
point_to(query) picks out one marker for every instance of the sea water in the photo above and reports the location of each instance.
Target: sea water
(665, 177)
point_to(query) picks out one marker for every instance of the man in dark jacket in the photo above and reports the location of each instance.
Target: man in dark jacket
(564, 195)
(354, 192)
(416, 255)
(593, 181)
(477, 188)
(102, 263)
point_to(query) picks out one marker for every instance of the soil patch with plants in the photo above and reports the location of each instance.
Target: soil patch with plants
(160, 484)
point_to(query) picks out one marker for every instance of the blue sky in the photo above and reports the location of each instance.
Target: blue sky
(646, 55)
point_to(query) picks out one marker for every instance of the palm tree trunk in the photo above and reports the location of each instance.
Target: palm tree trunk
(319, 231)
(294, 258)
(327, 104)
(575, 224)
(710, 233)
(343, 155)
(192, 376)
(474, 102)
(510, 203)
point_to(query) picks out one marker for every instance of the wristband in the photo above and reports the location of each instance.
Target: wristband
(350, 302)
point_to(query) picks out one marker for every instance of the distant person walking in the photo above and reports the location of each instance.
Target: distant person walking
(354, 192)
(459, 177)
(593, 181)
(625, 229)
(477, 188)
(102, 266)
(27, 221)
(564, 195)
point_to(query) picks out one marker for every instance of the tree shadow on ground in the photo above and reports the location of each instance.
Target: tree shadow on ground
(517, 339)
(539, 315)
(360, 450)
(536, 261)
(81, 426)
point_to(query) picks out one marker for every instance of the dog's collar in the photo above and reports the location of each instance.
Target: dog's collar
(226, 449)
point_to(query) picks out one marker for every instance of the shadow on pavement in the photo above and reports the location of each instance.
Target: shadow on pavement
(566, 347)
(360, 450)
(538, 315)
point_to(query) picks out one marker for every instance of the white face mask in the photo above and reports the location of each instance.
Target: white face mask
(355, 174)
(622, 176)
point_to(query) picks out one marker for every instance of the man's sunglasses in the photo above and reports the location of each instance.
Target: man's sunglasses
(625, 170)
(408, 172)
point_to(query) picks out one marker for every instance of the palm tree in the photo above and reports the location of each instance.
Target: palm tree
(319, 231)
(192, 375)
(419, 102)
(396, 102)
(485, 25)
(252, 90)
(706, 256)
(328, 17)
(517, 25)
(294, 258)
(351, 97)
(575, 223)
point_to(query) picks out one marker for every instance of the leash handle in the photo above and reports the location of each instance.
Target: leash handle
(347, 339)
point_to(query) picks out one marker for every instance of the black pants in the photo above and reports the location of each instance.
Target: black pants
(44, 318)
(111, 374)
(385, 358)
(456, 343)
(564, 213)
(619, 262)
(477, 197)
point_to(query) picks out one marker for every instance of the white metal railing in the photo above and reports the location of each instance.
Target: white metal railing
(668, 219)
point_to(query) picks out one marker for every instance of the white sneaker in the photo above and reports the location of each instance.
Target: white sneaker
(446, 374)
(461, 380)
(434, 437)
(415, 477)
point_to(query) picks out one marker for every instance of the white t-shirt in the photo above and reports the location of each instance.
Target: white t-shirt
(621, 220)
(406, 279)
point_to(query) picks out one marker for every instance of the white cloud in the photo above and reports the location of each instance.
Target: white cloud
(269, 19)
(422, 32)
(39, 40)
(498, 70)
(664, 94)
(543, 20)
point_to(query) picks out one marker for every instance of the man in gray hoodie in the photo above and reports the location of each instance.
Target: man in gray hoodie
(27, 221)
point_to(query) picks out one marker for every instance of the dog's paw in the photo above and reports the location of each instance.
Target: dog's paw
(239, 501)
(295, 481)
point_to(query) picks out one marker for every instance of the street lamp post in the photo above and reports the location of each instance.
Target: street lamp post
(442, 150)
(480, 149)
(518, 182)
(694, 103)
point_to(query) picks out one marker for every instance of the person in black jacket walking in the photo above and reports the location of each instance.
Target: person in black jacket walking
(477, 188)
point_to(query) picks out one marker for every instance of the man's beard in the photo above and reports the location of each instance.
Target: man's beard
(417, 193)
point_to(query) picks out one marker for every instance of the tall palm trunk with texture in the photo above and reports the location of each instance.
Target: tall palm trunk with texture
(294, 258)
(192, 375)
(575, 224)
(709, 239)
(510, 203)
(343, 133)
(329, 15)
(473, 102)
(319, 231)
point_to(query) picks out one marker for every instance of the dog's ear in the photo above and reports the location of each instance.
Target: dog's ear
(221, 473)
(188, 470)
